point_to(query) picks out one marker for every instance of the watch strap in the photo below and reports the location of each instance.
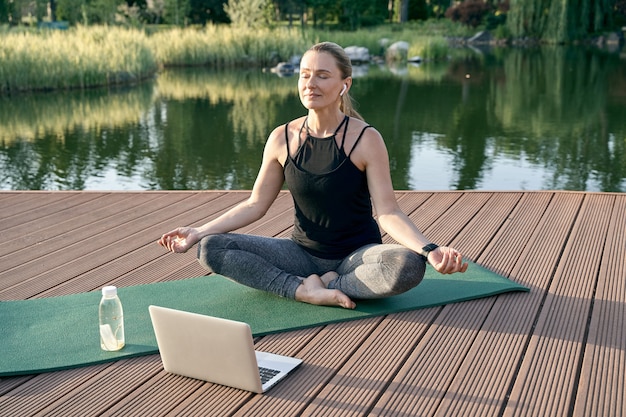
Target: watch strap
(428, 248)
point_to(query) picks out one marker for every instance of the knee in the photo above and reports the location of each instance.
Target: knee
(212, 249)
(406, 269)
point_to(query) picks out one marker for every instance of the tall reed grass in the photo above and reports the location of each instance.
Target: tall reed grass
(97, 56)
(78, 58)
(223, 46)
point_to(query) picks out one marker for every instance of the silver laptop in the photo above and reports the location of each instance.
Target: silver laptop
(216, 350)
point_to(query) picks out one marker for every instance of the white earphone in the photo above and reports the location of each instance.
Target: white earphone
(345, 87)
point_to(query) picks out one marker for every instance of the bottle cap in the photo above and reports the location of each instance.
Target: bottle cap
(109, 291)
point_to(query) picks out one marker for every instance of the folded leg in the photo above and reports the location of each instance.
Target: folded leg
(379, 270)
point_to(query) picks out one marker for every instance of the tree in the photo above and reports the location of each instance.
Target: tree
(360, 13)
(176, 11)
(71, 10)
(404, 11)
(323, 11)
(203, 11)
(620, 13)
(6, 10)
(101, 11)
(287, 9)
(247, 13)
(418, 10)
(559, 21)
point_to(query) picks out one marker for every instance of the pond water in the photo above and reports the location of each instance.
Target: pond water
(532, 119)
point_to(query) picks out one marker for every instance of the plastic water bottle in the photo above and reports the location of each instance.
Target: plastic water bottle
(111, 320)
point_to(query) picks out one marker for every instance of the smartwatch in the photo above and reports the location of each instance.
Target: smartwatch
(427, 249)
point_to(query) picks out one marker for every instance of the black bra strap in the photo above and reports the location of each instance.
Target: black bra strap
(358, 139)
(343, 139)
(287, 138)
(345, 120)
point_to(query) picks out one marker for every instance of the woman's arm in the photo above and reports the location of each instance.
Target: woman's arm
(372, 154)
(266, 187)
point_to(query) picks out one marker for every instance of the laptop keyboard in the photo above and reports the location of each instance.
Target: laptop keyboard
(267, 374)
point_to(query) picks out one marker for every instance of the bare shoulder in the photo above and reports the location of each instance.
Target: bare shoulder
(369, 148)
(276, 142)
(371, 136)
(293, 126)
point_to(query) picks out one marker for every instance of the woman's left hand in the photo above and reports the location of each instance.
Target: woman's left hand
(447, 260)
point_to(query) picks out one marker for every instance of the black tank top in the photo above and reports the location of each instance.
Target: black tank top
(333, 210)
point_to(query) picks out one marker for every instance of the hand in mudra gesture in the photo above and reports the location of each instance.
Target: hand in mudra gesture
(447, 260)
(180, 239)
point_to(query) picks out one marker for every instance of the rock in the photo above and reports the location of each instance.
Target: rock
(358, 54)
(283, 68)
(398, 51)
(615, 38)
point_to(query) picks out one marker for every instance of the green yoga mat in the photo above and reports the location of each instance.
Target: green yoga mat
(48, 334)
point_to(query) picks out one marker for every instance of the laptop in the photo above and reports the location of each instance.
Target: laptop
(216, 350)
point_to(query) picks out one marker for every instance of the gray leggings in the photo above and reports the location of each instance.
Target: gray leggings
(278, 265)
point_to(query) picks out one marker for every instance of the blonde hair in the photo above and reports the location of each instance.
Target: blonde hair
(345, 67)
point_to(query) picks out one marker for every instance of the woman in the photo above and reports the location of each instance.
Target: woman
(335, 166)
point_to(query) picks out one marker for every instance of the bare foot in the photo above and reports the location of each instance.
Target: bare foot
(314, 291)
(328, 277)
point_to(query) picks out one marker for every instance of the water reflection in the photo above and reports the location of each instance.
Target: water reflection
(549, 118)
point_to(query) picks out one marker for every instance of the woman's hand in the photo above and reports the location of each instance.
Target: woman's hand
(180, 240)
(447, 260)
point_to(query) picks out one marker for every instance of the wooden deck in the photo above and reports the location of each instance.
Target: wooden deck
(559, 350)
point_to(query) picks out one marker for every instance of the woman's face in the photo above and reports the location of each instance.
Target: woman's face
(320, 81)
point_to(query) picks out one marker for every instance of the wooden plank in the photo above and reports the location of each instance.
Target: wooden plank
(37, 393)
(546, 383)
(359, 383)
(423, 378)
(422, 398)
(602, 387)
(554, 351)
(104, 389)
(491, 363)
(95, 247)
(20, 203)
(38, 210)
(54, 231)
(455, 218)
(486, 223)
(323, 357)
(422, 382)
(151, 263)
(37, 227)
(9, 384)
(522, 222)
(358, 387)
(432, 209)
(68, 242)
(277, 211)
(289, 397)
